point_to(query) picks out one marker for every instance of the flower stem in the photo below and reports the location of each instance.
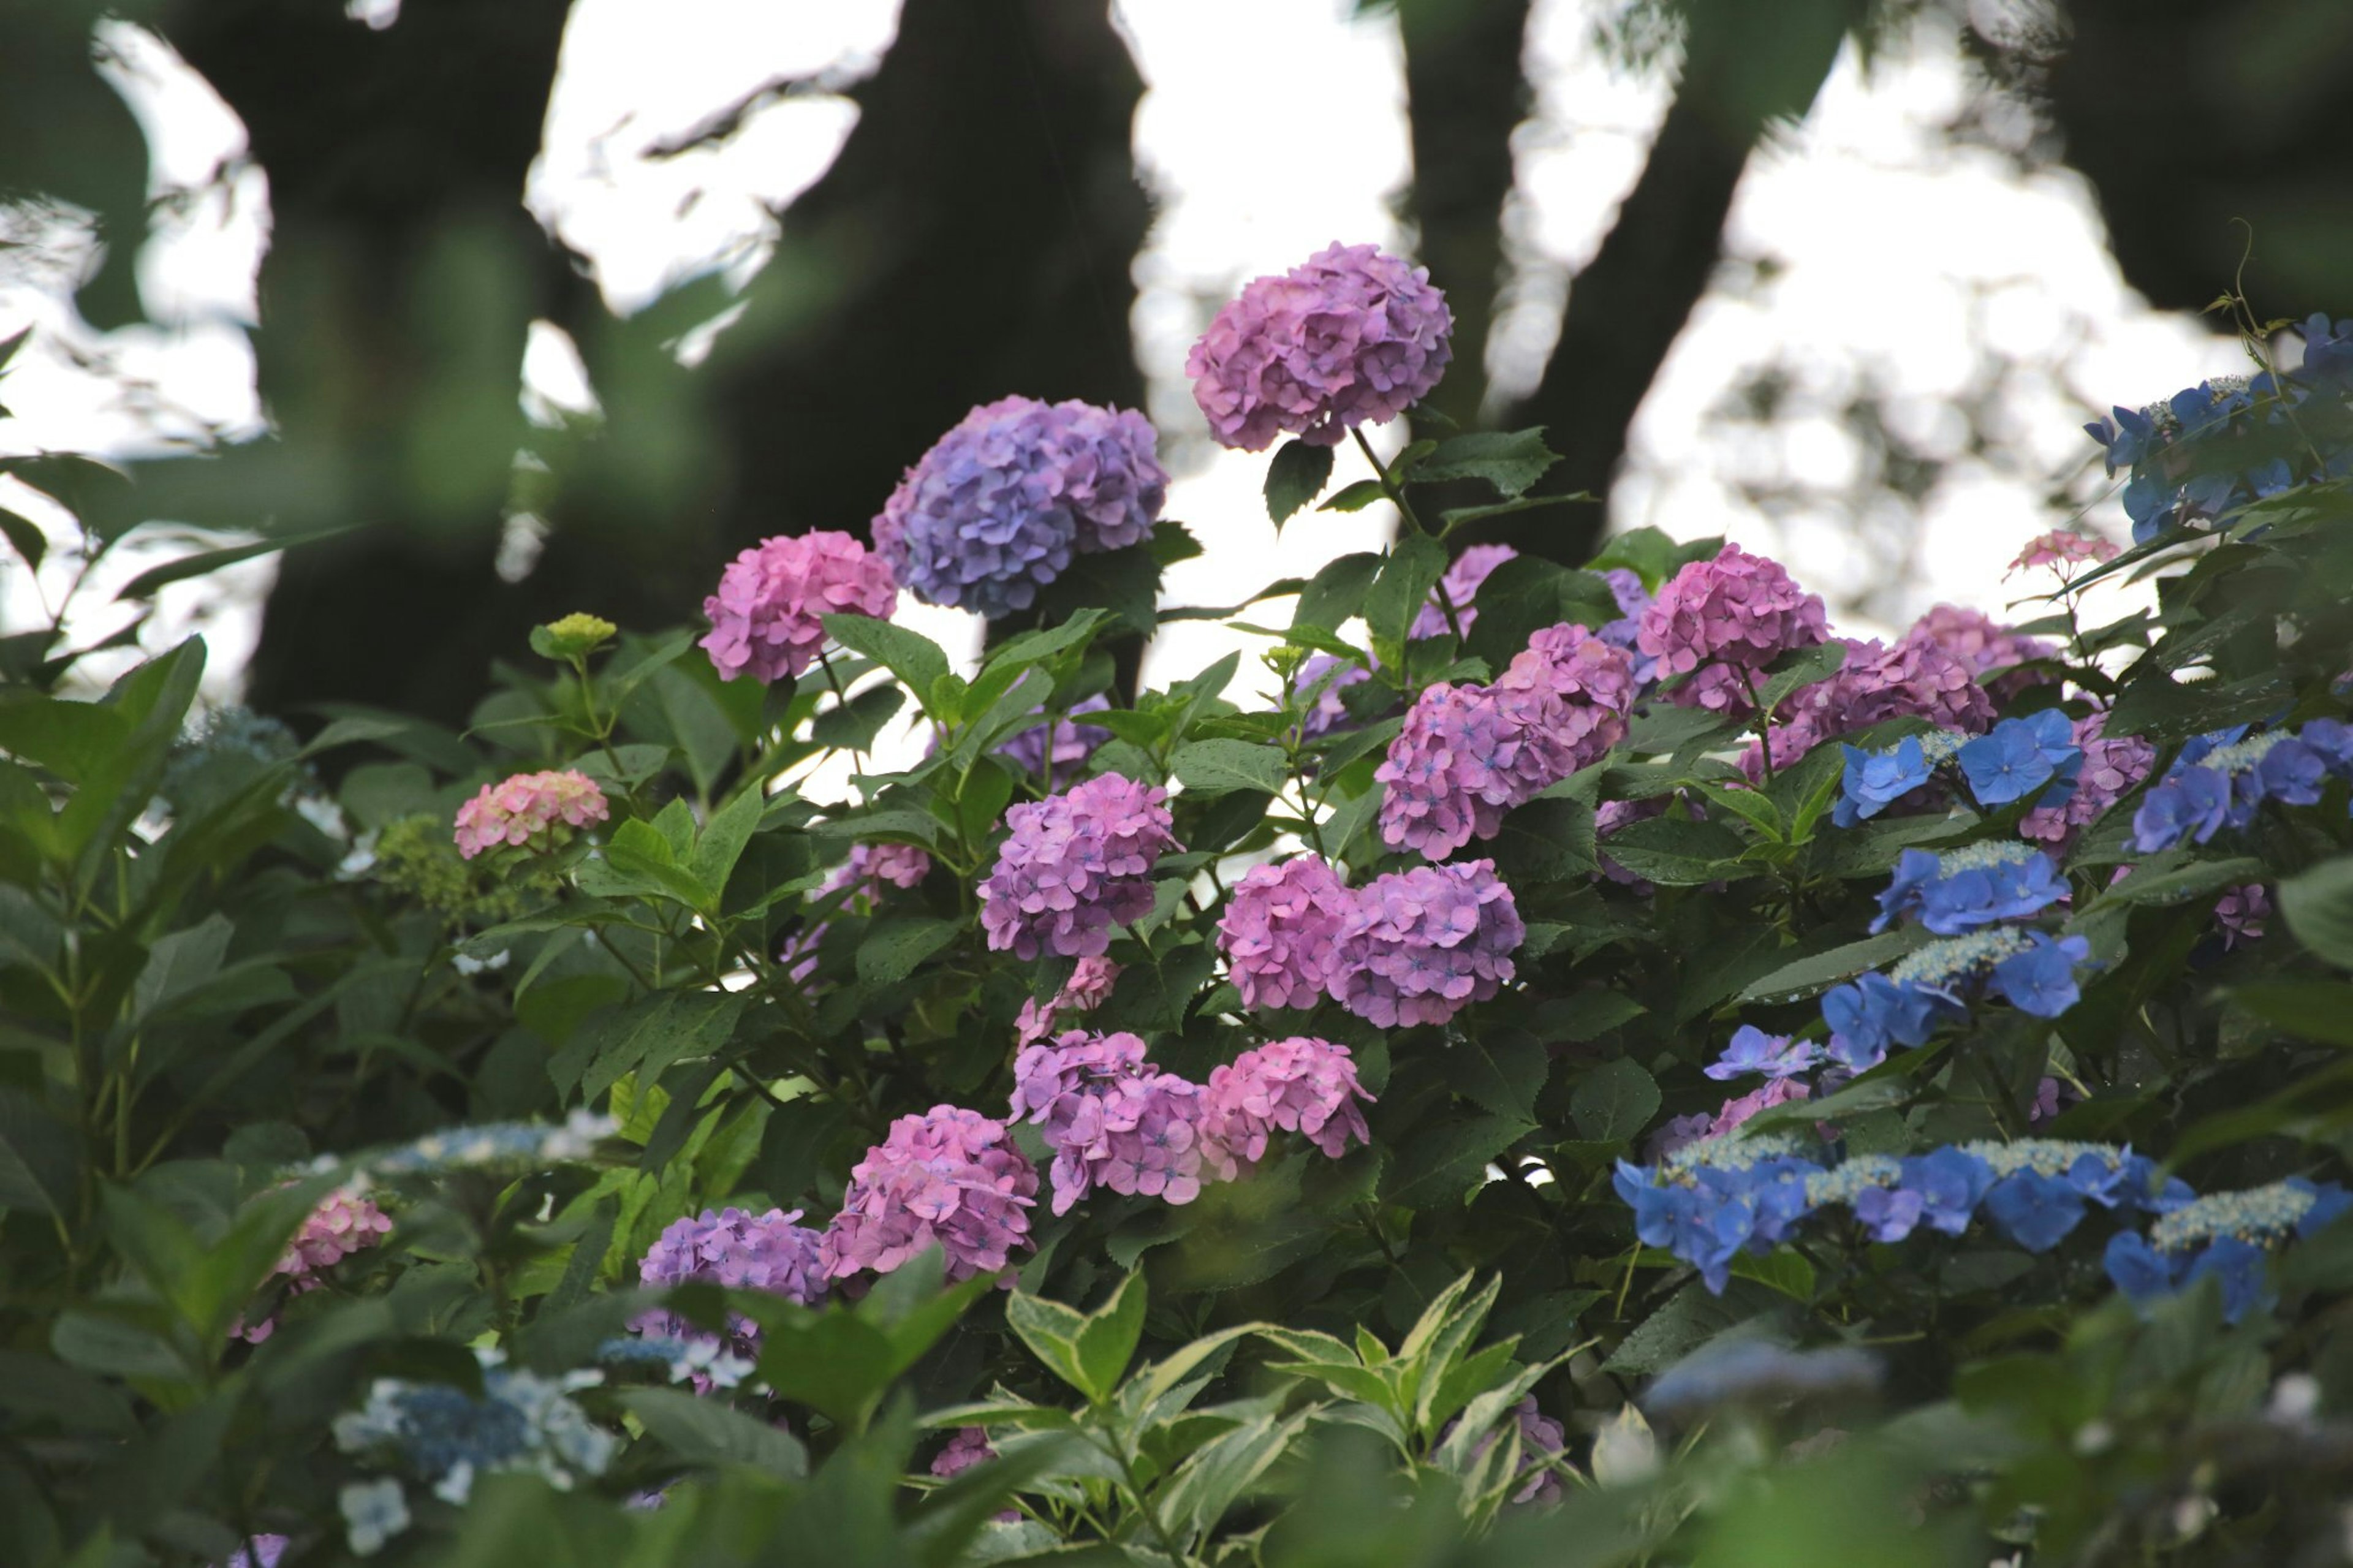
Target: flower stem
(1396, 493)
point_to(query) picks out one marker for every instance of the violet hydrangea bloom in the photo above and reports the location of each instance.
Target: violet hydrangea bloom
(997, 508)
(538, 810)
(770, 1252)
(1279, 931)
(1461, 586)
(1349, 337)
(764, 617)
(949, 1178)
(1625, 632)
(2240, 911)
(1071, 743)
(1111, 1119)
(1048, 1080)
(1320, 678)
(967, 1448)
(861, 878)
(1088, 988)
(1301, 1085)
(1073, 865)
(1719, 622)
(1461, 762)
(1542, 1440)
(259, 1552)
(1984, 646)
(1420, 945)
(1916, 678)
(1752, 1050)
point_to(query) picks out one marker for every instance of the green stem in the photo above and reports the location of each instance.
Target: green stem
(1395, 494)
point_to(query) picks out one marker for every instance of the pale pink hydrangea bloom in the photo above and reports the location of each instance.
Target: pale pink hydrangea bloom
(536, 809)
(949, 1178)
(1301, 1085)
(2240, 911)
(2062, 548)
(765, 619)
(1721, 621)
(1278, 930)
(1772, 1093)
(1420, 945)
(1350, 337)
(1983, 645)
(344, 1224)
(1073, 865)
(2112, 769)
(1088, 988)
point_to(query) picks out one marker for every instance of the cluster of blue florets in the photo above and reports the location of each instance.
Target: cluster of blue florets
(2035, 757)
(2227, 1235)
(2210, 449)
(2219, 780)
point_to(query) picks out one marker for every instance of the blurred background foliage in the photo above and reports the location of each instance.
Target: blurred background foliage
(975, 235)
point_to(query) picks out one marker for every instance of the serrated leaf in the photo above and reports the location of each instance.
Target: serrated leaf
(1511, 460)
(915, 659)
(1296, 477)
(1337, 591)
(1614, 1102)
(1414, 565)
(705, 1432)
(1216, 767)
(893, 948)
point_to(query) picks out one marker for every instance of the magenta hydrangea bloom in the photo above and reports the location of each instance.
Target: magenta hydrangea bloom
(1048, 1080)
(770, 1252)
(765, 619)
(1420, 945)
(1350, 337)
(2112, 769)
(1279, 928)
(1462, 759)
(901, 865)
(1073, 865)
(969, 1447)
(539, 810)
(949, 1178)
(1461, 586)
(1578, 666)
(1983, 645)
(1718, 622)
(1088, 988)
(1301, 1085)
(2241, 911)
(1071, 743)
(997, 508)
(1916, 678)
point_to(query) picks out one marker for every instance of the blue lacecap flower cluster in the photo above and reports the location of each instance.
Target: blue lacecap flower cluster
(2213, 449)
(2228, 1236)
(2219, 780)
(2035, 756)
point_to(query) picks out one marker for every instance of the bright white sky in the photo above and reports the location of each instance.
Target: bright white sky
(1897, 257)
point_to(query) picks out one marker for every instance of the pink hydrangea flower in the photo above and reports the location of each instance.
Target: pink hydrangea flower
(1279, 931)
(1088, 988)
(1983, 645)
(2240, 911)
(949, 1178)
(1719, 622)
(2113, 768)
(535, 809)
(345, 1222)
(1048, 1080)
(1420, 945)
(1772, 1093)
(1300, 1085)
(1073, 865)
(1350, 337)
(967, 1448)
(869, 866)
(765, 619)
(2062, 548)
(1576, 664)
(1916, 678)
(1461, 586)
(1111, 1119)
(771, 1252)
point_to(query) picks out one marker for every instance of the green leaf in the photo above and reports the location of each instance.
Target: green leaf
(144, 585)
(1337, 592)
(1051, 1332)
(1674, 853)
(1216, 767)
(1107, 1343)
(40, 1157)
(1795, 671)
(2318, 905)
(1511, 460)
(852, 726)
(1210, 1483)
(1296, 477)
(2319, 1010)
(2147, 885)
(1690, 1320)
(1036, 647)
(1438, 1168)
(646, 1038)
(894, 947)
(705, 1432)
(25, 537)
(1355, 496)
(1614, 1102)
(1651, 555)
(1503, 1074)
(1413, 568)
(913, 658)
(179, 963)
(721, 843)
(1816, 973)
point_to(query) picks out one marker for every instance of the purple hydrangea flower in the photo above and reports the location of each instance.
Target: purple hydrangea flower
(1350, 337)
(997, 508)
(1873, 1013)
(1320, 678)
(259, 1551)
(1542, 1440)
(1110, 1120)
(2112, 769)
(1050, 1080)
(1300, 1085)
(949, 1178)
(1983, 645)
(1719, 622)
(1420, 945)
(1073, 865)
(967, 1448)
(1753, 1050)
(2022, 756)
(861, 877)
(1625, 632)
(1913, 679)
(770, 1252)
(764, 617)
(1279, 931)
(1461, 586)
(1582, 669)
(2240, 911)
(2191, 805)
(1071, 743)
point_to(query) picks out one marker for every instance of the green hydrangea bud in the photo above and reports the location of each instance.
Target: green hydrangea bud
(576, 635)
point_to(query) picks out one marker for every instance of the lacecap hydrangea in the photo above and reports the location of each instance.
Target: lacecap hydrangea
(1001, 505)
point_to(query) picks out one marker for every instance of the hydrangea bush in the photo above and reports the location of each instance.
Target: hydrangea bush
(1600, 1067)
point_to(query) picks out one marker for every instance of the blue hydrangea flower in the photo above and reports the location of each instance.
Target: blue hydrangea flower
(1975, 885)
(2190, 805)
(2041, 979)
(1753, 1050)
(2328, 353)
(1873, 1013)
(2035, 1211)
(2020, 756)
(1951, 1184)
(1874, 781)
(1711, 1200)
